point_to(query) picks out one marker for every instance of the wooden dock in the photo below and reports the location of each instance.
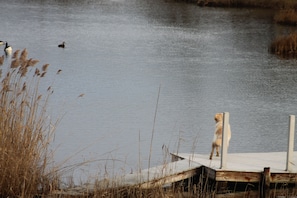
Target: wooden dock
(246, 167)
(263, 171)
(262, 168)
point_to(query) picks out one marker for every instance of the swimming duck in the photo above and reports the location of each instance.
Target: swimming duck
(62, 45)
(8, 49)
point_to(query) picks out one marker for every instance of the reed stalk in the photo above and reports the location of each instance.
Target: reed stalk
(153, 130)
(25, 132)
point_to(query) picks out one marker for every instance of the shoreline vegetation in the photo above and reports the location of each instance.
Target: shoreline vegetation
(25, 130)
(273, 4)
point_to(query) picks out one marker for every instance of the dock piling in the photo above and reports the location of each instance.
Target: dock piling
(290, 142)
(225, 140)
(266, 179)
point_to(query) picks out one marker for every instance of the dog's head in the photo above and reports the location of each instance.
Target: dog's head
(218, 117)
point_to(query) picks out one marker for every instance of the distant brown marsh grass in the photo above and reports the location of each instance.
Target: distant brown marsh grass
(286, 17)
(249, 3)
(285, 46)
(25, 129)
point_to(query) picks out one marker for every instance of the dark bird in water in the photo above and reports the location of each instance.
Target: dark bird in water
(8, 49)
(62, 45)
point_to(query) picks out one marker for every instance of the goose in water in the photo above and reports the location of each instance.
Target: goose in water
(62, 45)
(8, 49)
(2, 42)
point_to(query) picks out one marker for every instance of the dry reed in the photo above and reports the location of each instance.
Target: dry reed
(25, 132)
(286, 17)
(285, 46)
(249, 3)
(1, 60)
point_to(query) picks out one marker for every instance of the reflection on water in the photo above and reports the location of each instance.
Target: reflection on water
(118, 53)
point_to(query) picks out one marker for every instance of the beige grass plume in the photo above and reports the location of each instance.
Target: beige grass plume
(44, 67)
(1, 60)
(15, 54)
(23, 56)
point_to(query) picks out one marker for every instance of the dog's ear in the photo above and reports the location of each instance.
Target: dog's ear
(218, 117)
(215, 118)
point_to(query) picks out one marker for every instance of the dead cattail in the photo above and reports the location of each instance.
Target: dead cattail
(37, 72)
(25, 102)
(32, 62)
(15, 63)
(11, 102)
(1, 60)
(5, 80)
(23, 71)
(24, 87)
(24, 63)
(24, 55)
(44, 67)
(5, 88)
(59, 71)
(15, 54)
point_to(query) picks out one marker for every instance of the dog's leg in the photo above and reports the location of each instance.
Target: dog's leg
(212, 150)
(217, 149)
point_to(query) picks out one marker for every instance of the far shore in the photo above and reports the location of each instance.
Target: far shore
(274, 4)
(284, 46)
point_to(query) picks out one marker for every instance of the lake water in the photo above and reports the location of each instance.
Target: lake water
(119, 53)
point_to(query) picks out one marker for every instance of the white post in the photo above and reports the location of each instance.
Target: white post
(290, 142)
(225, 140)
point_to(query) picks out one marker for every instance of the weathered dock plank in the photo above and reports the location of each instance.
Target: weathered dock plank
(161, 175)
(237, 176)
(157, 176)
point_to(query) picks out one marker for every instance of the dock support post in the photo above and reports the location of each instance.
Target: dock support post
(265, 188)
(290, 142)
(225, 140)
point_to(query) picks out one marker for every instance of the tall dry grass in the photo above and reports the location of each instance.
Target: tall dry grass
(25, 130)
(285, 46)
(278, 4)
(286, 17)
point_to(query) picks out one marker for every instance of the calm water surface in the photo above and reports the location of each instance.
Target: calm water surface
(120, 52)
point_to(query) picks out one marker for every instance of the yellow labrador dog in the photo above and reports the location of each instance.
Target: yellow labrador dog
(218, 136)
